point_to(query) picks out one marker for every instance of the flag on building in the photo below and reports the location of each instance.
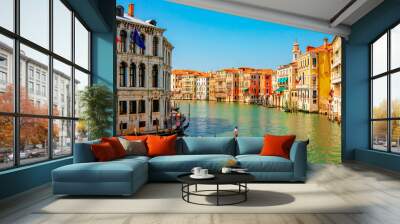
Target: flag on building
(137, 39)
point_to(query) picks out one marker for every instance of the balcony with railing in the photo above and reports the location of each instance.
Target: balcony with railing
(336, 77)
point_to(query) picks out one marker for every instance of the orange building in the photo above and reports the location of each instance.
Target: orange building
(249, 85)
(265, 86)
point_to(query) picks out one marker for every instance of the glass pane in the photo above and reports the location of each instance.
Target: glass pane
(62, 89)
(81, 45)
(6, 74)
(379, 135)
(33, 139)
(62, 138)
(81, 81)
(62, 29)
(7, 14)
(379, 55)
(35, 21)
(81, 131)
(34, 92)
(395, 94)
(395, 47)
(395, 136)
(6, 142)
(379, 98)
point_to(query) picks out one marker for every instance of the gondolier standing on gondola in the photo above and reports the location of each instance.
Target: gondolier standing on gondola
(235, 132)
(178, 120)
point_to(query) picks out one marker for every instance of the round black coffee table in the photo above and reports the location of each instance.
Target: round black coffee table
(238, 179)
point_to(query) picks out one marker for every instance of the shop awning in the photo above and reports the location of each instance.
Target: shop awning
(283, 80)
(280, 89)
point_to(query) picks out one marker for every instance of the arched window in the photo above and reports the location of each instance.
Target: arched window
(132, 45)
(144, 41)
(132, 75)
(154, 76)
(155, 46)
(123, 35)
(122, 74)
(142, 75)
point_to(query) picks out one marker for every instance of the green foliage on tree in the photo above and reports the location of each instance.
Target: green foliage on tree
(96, 103)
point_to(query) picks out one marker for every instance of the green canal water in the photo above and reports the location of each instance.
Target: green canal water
(220, 118)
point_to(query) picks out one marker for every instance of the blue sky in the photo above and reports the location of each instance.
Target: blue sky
(207, 40)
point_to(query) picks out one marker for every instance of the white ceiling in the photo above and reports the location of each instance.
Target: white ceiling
(324, 9)
(325, 16)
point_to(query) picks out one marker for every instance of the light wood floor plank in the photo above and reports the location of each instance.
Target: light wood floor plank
(376, 190)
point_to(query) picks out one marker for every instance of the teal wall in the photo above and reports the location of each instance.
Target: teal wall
(356, 98)
(24, 178)
(103, 55)
(99, 16)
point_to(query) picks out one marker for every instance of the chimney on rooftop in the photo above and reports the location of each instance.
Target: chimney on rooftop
(325, 42)
(131, 10)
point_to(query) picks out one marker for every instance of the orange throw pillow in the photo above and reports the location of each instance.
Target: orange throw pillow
(116, 145)
(161, 145)
(277, 145)
(103, 152)
(136, 137)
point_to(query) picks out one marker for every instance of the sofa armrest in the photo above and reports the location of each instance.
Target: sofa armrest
(298, 155)
(83, 152)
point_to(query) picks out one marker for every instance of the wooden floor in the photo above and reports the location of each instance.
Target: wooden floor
(379, 189)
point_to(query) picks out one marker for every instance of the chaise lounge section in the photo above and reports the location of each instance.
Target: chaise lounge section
(125, 176)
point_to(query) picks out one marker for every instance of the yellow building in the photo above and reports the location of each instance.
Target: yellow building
(324, 76)
(313, 78)
(188, 90)
(211, 87)
(232, 84)
(221, 90)
(184, 84)
(335, 112)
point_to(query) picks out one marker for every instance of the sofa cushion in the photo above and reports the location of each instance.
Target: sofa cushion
(185, 163)
(249, 145)
(257, 163)
(116, 145)
(103, 152)
(275, 145)
(161, 145)
(206, 145)
(134, 147)
(112, 171)
(135, 137)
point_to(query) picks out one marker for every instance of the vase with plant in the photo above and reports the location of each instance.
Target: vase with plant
(96, 103)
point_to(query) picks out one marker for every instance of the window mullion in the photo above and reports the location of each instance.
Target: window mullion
(50, 81)
(389, 101)
(73, 81)
(16, 84)
(20, 42)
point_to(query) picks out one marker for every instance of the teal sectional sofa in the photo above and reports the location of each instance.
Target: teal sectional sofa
(125, 176)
